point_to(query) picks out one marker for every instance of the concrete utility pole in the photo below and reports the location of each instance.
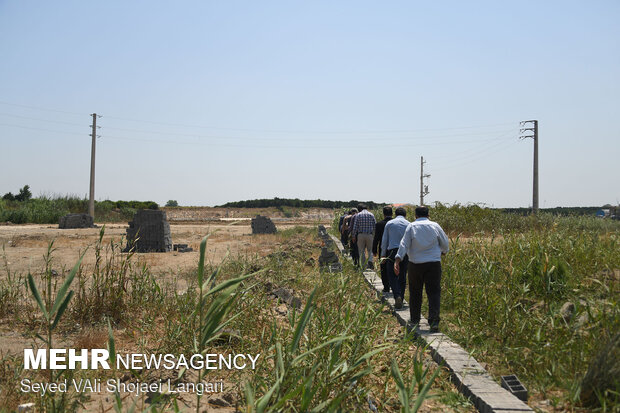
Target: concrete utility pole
(534, 135)
(423, 188)
(91, 199)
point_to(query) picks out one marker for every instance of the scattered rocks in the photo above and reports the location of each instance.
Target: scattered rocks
(567, 311)
(582, 320)
(182, 248)
(286, 295)
(149, 232)
(219, 401)
(71, 221)
(263, 225)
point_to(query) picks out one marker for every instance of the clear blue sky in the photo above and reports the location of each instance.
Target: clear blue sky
(213, 101)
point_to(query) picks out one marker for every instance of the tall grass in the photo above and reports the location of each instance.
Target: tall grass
(506, 280)
(49, 209)
(502, 299)
(473, 219)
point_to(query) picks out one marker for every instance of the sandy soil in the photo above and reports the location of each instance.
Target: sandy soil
(23, 247)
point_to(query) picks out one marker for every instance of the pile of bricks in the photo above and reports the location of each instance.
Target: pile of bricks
(328, 260)
(263, 225)
(76, 221)
(149, 232)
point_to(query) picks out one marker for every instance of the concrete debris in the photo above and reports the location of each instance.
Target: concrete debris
(71, 221)
(263, 225)
(182, 248)
(149, 232)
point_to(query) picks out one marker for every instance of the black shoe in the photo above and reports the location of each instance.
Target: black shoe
(413, 327)
(434, 328)
(386, 290)
(398, 303)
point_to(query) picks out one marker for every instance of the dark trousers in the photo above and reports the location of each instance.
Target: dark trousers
(427, 275)
(355, 254)
(384, 275)
(398, 283)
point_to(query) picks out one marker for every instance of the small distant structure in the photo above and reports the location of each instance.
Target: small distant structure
(603, 213)
(263, 225)
(609, 211)
(71, 221)
(149, 232)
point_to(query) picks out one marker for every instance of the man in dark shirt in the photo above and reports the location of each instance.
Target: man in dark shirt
(376, 245)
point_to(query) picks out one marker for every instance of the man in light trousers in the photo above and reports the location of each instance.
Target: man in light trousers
(362, 233)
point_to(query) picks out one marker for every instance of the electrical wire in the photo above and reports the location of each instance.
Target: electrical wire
(316, 132)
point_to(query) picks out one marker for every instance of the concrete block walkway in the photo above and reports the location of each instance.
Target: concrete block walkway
(469, 376)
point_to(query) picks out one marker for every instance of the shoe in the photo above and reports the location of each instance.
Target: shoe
(413, 327)
(370, 266)
(386, 290)
(434, 328)
(398, 303)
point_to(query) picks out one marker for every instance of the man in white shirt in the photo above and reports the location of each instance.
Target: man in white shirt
(424, 242)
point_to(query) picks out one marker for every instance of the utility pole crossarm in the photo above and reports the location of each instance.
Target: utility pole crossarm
(423, 188)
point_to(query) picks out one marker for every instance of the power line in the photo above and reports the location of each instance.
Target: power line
(312, 131)
(489, 151)
(42, 120)
(289, 144)
(288, 139)
(41, 129)
(41, 109)
(354, 132)
(409, 142)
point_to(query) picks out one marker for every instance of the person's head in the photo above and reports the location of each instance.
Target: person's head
(400, 211)
(387, 211)
(421, 212)
(353, 211)
(361, 207)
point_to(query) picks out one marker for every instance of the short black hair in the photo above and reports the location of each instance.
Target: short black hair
(362, 207)
(387, 211)
(400, 211)
(421, 211)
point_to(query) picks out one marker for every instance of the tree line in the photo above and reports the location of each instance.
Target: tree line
(298, 203)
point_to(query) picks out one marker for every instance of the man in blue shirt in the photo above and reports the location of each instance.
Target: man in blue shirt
(392, 235)
(424, 242)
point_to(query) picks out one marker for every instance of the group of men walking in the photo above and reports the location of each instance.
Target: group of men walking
(407, 250)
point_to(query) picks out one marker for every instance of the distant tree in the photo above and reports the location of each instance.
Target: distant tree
(9, 197)
(24, 194)
(172, 203)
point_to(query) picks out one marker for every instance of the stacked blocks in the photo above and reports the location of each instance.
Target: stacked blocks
(149, 232)
(76, 221)
(328, 260)
(263, 225)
